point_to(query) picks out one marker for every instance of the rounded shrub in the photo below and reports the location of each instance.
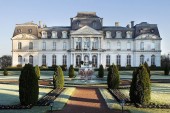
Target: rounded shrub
(37, 71)
(101, 71)
(58, 78)
(113, 78)
(71, 71)
(28, 86)
(5, 72)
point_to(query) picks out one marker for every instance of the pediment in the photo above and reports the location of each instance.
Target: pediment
(25, 36)
(147, 36)
(86, 30)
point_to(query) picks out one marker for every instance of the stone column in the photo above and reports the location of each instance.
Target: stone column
(74, 64)
(98, 59)
(82, 57)
(98, 43)
(71, 58)
(82, 44)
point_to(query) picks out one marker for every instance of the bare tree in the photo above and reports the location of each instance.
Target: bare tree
(5, 61)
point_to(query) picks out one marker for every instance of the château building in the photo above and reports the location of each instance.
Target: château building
(86, 39)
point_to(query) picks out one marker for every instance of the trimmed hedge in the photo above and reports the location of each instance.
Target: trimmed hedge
(28, 86)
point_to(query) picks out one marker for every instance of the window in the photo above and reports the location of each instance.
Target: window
(29, 30)
(20, 59)
(128, 46)
(43, 59)
(94, 60)
(64, 45)
(64, 34)
(108, 45)
(54, 34)
(142, 59)
(54, 60)
(94, 44)
(31, 59)
(108, 34)
(128, 34)
(86, 60)
(128, 59)
(86, 43)
(94, 24)
(142, 46)
(54, 45)
(19, 45)
(153, 46)
(78, 44)
(78, 23)
(118, 46)
(44, 34)
(44, 46)
(108, 60)
(118, 59)
(78, 59)
(64, 60)
(19, 30)
(30, 45)
(118, 34)
(153, 60)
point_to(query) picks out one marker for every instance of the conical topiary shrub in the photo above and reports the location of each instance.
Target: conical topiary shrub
(5, 72)
(28, 86)
(113, 79)
(101, 71)
(147, 68)
(58, 78)
(140, 89)
(166, 69)
(37, 71)
(71, 71)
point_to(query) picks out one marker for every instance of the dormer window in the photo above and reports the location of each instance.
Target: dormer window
(78, 23)
(64, 34)
(108, 34)
(29, 30)
(118, 34)
(19, 30)
(128, 34)
(54, 34)
(44, 34)
(94, 24)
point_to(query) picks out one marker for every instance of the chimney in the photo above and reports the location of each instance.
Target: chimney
(116, 23)
(128, 26)
(132, 24)
(40, 24)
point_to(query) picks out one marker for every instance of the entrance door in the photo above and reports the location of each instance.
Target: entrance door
(86, 60)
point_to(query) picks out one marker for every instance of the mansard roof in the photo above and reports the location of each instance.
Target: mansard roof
(87, 15)
(86, 30)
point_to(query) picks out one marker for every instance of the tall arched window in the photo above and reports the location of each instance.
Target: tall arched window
(20, 59)
(31, 59)
(30, 45)
(128, 59)
(53, 59)
(153, 60)
(64, 60)
(94, 60)
(107, 60)
(78, 59)
(142, 46)
(142, 58)
(19, 45)
(86, 60)
(118, 60)
(43, 59)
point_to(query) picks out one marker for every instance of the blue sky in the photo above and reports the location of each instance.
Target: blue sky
(59, 12)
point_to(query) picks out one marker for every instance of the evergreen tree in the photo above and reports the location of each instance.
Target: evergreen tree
(101, 71)
(37, 71)
(166, 69)
(140, 89)
(28, 86)
(58, 78)
(147, 68)
(71, 71)
(5, 72)
(113, 77)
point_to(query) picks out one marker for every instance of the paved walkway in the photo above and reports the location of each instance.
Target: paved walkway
(86, 100)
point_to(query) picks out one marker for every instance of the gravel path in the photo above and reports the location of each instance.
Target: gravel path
(86, 100)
